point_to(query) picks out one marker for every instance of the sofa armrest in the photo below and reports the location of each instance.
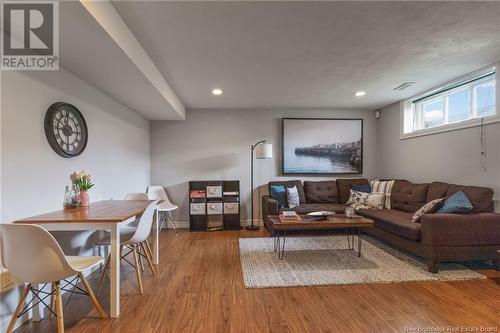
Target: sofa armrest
(269, 206)
(460, 229)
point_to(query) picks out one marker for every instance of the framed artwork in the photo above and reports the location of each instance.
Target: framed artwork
(322, 146)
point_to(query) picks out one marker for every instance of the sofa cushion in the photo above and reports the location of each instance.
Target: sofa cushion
(289, 184)
(278, 193)
(394, 221)
(407, 196)
(323, 191)
(316, 207)
(458, 203)
(292, 197)
(428, 208)
(344, 186)
(480, 197)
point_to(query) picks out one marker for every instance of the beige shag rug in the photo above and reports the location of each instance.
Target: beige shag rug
(325, 260)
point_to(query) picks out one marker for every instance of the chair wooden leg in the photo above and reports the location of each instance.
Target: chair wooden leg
(19, 307)
(148, 248)
(137, 268)
(148, 258)
(59, 307)
(141, 263)
(103, 275)
(92, 297)
(52, 300)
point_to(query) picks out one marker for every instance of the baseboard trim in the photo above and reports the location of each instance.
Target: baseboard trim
(185, 224)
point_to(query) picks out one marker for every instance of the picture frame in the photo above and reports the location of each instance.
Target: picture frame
(322, 146)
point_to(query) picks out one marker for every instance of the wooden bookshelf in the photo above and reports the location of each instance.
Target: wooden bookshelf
(214, 205)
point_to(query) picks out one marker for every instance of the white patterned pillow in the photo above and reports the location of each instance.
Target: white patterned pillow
(362, 200)
(428, 208)
(357, 197)
(292, 196)
(375, 200)
(385, 188)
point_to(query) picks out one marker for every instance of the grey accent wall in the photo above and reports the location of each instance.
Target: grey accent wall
(215, 144)
(450, 157)
(33, 176)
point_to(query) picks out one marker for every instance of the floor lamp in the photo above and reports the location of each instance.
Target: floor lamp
(263, 150)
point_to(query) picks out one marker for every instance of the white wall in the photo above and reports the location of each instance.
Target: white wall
(450, 157)
(33, 176)
(215, 144)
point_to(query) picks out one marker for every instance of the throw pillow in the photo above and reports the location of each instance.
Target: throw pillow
(428, 208)
(457, 203)
(278, 193)
(375, 200)
(385, 188)
(293, 197)
(357, 197)
(362, 188)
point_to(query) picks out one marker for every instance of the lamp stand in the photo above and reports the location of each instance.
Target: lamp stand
(252, 226)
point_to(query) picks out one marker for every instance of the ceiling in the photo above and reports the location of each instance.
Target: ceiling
(287, 54)
(88, 51)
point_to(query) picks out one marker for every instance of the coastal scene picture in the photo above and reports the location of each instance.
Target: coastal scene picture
(322, 146)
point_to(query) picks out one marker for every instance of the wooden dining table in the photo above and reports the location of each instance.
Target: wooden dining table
(107, 215)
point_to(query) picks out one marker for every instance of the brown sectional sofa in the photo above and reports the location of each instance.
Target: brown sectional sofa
(437, 238)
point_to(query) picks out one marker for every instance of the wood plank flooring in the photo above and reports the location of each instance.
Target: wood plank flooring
(199, 288)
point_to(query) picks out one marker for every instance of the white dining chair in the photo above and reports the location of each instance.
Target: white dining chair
(33, 256)
(125, 230)
(138, 246)
(158, 193)
(131, 226)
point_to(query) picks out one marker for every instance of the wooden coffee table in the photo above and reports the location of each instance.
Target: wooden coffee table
(353, 225)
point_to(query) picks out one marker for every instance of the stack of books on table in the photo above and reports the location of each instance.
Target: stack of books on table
(289, 216)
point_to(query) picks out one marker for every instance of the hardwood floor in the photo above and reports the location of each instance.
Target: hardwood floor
(199, 288)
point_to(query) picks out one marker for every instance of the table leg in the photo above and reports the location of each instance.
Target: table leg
(360, 241)
(156, 245)
(37, 314)
(114, 291)
(276, 239)
(281, 247)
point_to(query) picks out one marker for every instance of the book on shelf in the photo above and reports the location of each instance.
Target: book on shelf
(197, 194)
(231, 193)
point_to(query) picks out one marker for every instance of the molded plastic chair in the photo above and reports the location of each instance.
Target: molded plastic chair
(137, 196)
(131, 226)
(138, 246)
(32, 255)
(158, 193)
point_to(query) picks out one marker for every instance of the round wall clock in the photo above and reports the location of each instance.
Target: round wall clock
(65, 129)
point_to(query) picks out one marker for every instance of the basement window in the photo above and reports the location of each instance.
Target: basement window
(461, 103)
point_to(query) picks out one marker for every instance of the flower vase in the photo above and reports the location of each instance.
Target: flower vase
(84, 199)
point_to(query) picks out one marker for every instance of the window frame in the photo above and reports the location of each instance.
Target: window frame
(408, 113)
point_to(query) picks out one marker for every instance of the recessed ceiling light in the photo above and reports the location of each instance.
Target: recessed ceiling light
(360, 93)
(217, 91)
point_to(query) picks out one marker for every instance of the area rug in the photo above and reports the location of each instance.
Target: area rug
(326, 260)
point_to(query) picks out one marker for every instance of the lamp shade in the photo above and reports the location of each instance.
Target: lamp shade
(264, 150)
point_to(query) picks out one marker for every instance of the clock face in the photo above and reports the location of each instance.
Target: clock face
(65, 129)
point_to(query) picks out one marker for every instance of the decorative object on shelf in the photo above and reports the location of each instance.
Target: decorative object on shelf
(65, 129)
(71, 197)
(264, 151)
(214, 205)
(83, 181)
(322, 146)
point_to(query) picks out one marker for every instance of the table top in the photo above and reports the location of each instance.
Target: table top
(336, 221)
(107, 211)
